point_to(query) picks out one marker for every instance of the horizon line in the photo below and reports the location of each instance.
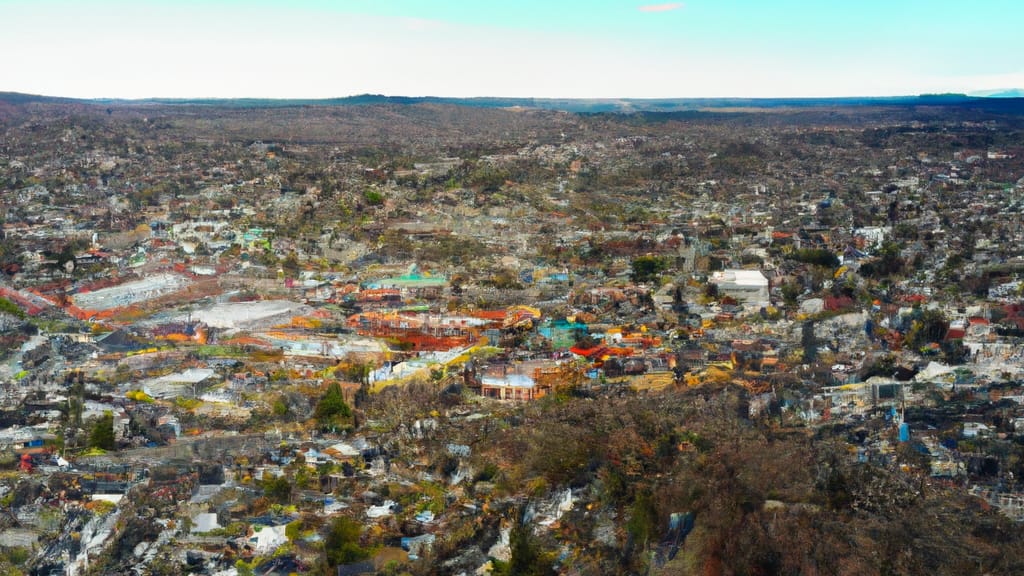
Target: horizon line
(981, 94)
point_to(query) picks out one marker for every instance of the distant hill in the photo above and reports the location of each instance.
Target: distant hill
(1000, 93)
(582, 105)
(19, 98)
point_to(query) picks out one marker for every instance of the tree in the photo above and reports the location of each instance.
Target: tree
(102, 434)
(930, 327)
(342, 543)
(679, 304)
(954, 352)
(816, 256)
(373, 197)
(290, 264)
(362, 396)
(648, 268)
(76, 401)
(66, 254)
(887, 263)
(527, 558)
(332, 410)
(642, 525)
(488, 178)
(790, 293)
(278, 489)
(356, 371)
(808, 341)
(885, 366)
(711, 291)
(8, 307)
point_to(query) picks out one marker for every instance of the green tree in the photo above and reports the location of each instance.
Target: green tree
(278, 489)
(648, 268)
(332, 410)
(488, 178)
(66, 254)
(930, 327)
(244, 568)
(8, 307)
(102, 434)
(816, 256)
(954, 352)
(342, 542)
(790, 293)
(642, 525)
(884, 366)
(808, 341)
(358, 372)
(373, 197)
(293, 530)
(527, 558)
(290, 264)
(887, 262)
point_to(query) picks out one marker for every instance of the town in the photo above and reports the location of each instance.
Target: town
(431, 338)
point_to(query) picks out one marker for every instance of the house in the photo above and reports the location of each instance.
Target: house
(510, 387)
(266, 539)
(976, 429)
(692, 359)
(413, 284)
(869, 236)
(748, 287)
(204, 522)
(416, 545)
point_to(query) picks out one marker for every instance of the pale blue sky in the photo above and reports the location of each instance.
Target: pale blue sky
(541, 48)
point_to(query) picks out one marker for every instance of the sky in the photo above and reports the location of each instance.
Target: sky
(517, 48)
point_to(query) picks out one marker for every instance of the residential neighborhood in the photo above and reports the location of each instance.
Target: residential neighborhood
(435, 339)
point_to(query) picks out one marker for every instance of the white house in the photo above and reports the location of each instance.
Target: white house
(748, 287)
(204, 522)
(975, 429)
(267, 539)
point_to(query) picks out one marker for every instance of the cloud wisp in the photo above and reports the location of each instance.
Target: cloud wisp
(668, 7)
